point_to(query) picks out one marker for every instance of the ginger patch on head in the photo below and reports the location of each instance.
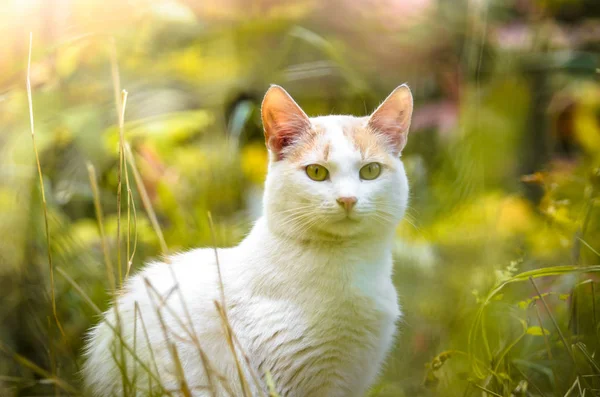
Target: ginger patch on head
(326, 149)
(367, 142)
(305, 144)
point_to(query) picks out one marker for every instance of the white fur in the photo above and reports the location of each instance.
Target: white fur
(308, 293)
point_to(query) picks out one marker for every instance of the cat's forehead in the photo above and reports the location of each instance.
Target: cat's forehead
(338, 139)
(344, 124)
(334, 139)
(346, 136)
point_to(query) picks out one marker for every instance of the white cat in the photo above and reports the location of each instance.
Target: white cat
(308, 293)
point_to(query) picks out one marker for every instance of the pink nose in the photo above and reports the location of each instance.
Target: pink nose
(347, 202)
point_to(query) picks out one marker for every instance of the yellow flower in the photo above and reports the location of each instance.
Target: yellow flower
(515, 216)
(254, 162)
(587, 128)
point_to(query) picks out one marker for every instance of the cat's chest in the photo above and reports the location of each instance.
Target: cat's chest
(319, 323)
(320, 342)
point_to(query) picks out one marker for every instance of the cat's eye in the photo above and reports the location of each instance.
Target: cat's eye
(370, 171)
(317, 172)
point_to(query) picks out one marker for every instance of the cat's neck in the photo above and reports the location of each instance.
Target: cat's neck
(347, 253)
(380, 238)
(280, 266)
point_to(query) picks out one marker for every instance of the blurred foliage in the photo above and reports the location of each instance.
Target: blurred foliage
(503, 159)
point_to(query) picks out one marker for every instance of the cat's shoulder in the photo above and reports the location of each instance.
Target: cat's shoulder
(191, 268)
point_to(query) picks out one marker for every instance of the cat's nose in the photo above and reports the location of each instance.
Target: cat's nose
(347, 202)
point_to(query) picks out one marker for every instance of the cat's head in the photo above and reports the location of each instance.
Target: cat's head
(333, 177)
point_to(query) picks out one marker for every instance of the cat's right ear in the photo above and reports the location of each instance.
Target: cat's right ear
(283, 120)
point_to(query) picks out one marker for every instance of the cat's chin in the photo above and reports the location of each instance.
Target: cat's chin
(345, 228)
(335, 228)
(347, 220)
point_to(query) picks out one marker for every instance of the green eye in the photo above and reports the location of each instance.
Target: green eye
(317, 172)
(370, 171)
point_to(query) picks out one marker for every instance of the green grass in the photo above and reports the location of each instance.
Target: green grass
(498, 284)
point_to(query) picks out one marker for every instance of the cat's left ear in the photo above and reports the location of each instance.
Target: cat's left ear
(392, 117)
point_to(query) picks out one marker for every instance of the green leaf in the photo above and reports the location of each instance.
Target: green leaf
(538, 331)
(165, 130)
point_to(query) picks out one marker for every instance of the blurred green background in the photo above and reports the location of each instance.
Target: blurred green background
(503, 161)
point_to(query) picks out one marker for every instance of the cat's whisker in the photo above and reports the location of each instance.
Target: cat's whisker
(408, 218)
(413, 209)
(291, 219)
(294, 209)
(410, 222)
(301, 226)
(382, 219)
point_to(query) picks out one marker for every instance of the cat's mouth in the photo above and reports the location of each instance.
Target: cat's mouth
(349, 218)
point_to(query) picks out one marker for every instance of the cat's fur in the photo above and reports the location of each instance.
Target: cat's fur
(308, 292)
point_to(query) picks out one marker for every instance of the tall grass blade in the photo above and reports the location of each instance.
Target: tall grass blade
(114, 329)
(120, 102)
(476, 328)
(110, 273)
(42, 190)
(38, 370)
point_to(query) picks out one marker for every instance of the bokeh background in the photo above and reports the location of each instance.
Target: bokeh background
(503, 160)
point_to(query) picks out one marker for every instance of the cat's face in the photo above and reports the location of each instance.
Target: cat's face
(335, 177)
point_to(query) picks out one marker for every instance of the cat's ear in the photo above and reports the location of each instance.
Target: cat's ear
(392, 117)
(283, 120)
